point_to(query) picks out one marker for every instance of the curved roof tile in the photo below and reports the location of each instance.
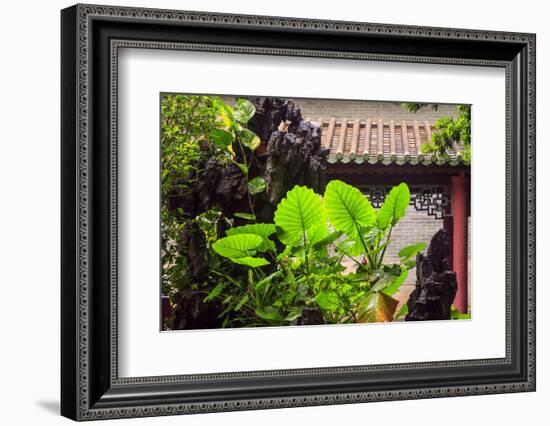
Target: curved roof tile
(379, 140)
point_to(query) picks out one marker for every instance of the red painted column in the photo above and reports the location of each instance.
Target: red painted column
(460, 199)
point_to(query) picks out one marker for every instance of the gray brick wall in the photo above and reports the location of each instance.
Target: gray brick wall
(325, 108)
(414, 227)
(317, 108)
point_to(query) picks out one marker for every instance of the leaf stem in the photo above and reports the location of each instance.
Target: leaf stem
(381, 258)
(347, 254)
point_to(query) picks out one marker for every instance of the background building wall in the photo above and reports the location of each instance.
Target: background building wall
(319, 108)
(31, 382)
(316, 108)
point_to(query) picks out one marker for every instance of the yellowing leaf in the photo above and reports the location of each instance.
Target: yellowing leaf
(377, 307)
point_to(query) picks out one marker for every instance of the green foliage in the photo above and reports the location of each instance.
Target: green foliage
(297, 214)
(457, 315)
(411, 107)
(222, 138)
(241, 249)
(407, 252)
(391, 284)
(243, 215)
(348, 209)
(256, 185)
(394, 206)
(195, 129)
(328, 300)
(304, 274)
(263, 230)
(186, 122)
(450, 133)
(402, 312)
(244, 111)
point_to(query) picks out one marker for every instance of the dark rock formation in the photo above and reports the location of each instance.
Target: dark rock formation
(294, 153)
(269, 114)
(194, 248)
(189, 312)
(311, 316)
(217, 185)
(435, 282)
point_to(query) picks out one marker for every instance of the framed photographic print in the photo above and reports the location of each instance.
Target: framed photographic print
(263, 212)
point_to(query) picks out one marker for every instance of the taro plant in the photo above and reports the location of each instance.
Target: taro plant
(368, 233)
(295, 263)
(278, 289)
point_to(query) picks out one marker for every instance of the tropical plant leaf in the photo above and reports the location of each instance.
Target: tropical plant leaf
(243, 167)
(409, 264)
(250, 139)
(215, 292)
(394, 206)
(253, 262)
(267, 280)
(348, 209)
(264, 230)
(285, 253)
(296, 262)
(407, 252)
(222, 138)
(394, 286)
(244, 110)
(243, 215)
(224, 110)
(350, 247)
(240, 245)
(328, 239)
(403, 310)
(256, 185)
(269, 313)
(328, 300)
(296, 213)
(377, 307)
(317, 233)
(378, 248)
(241, 302)
(294, 313)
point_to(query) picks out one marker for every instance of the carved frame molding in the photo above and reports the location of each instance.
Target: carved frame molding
(91, 388)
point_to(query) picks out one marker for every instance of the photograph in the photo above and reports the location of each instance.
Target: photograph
(301, 193)
(287, 211)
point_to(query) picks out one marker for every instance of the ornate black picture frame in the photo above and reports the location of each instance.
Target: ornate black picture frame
(91, 37)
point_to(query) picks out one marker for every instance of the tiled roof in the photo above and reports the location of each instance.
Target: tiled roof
(379, 140)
